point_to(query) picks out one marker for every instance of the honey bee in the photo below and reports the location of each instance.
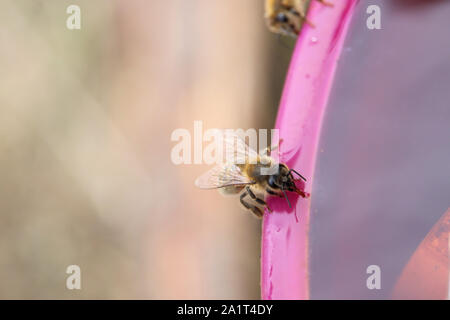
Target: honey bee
(286, 17)
(255, 177)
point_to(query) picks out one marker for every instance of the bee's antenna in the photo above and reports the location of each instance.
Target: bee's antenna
(298, 174)
(287, 199)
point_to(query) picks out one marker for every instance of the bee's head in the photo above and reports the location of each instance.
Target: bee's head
(285, 181)
(285, 21)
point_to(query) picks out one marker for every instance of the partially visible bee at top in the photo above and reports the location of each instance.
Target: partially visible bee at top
(249, 177)
(286, 17)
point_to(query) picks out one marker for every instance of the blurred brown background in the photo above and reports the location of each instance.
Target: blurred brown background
(85, 170)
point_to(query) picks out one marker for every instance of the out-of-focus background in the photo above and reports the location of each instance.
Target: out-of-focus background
(85, 171)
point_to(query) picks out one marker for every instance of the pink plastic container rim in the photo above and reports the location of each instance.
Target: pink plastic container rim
(284, 260)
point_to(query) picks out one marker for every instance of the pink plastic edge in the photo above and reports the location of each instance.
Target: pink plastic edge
(284, 257)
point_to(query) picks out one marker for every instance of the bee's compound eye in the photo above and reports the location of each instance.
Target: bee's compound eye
(272, 182)
(281, 17)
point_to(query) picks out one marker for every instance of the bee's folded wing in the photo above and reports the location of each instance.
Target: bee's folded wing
(232, 148)
(222, 175)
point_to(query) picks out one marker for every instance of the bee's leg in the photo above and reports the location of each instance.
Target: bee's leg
(278, 144)
(269, 149)
(256, 211)
(302, 14)
(258, 200)
(269, 191)
(326, 3)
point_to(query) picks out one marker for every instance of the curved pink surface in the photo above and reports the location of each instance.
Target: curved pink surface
(284, 261)
(427, 274)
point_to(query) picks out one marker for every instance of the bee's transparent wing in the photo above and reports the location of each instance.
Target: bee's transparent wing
(222, 176)
(235, 148)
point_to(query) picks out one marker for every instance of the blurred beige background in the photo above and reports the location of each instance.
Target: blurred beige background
(85, 170)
